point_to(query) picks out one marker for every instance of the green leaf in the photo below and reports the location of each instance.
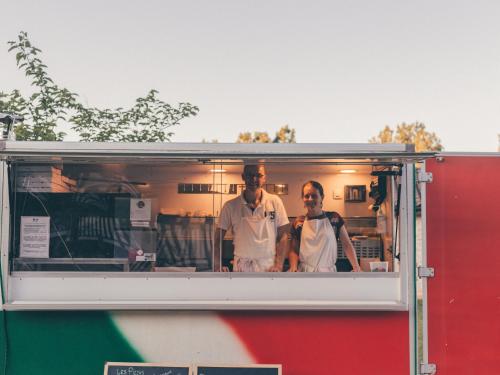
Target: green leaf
(48, 108)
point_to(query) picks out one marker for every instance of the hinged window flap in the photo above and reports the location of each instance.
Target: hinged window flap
(427, 369)
(425, 272)
(369, 153)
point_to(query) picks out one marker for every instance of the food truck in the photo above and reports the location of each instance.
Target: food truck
(107, 255)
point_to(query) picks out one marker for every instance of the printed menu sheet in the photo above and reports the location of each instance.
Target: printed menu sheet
(35, 236)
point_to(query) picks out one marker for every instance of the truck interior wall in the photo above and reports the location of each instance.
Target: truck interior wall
(170, 202)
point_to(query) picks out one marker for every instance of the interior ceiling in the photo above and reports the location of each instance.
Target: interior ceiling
(294, 168)
(160, 172)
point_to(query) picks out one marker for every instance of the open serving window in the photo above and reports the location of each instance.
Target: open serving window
(132, 226)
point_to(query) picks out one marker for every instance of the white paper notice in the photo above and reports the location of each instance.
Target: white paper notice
(140, 209)
(35, 236)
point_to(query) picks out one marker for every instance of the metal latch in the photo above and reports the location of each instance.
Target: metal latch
(424, 176)
(425, 272)
(427, 369)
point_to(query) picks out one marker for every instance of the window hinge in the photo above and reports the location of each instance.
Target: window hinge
(427, 369)
(425, 272)
(424, 177)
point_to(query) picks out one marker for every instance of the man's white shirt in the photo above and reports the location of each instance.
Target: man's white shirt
(254, 231)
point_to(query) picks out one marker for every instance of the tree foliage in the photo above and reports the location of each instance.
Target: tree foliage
(146, 121)
(51, 107)
(414, 133)
(283, 135)
(46, 106)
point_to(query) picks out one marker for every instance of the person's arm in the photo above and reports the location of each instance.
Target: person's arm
(220, 233)
(281, 248)
(293, 255)
(349, 249)
(219, 237)
(282, 236)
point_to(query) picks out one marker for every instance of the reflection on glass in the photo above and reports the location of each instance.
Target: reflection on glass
(191, 217)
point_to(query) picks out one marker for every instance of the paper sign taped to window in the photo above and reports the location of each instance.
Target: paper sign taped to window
(140, 210)
(35, 236)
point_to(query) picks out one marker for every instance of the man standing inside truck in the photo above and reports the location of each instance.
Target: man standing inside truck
(259, 224)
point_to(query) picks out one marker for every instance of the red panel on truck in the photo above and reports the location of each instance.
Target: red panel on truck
(463, 246)
(327, 343)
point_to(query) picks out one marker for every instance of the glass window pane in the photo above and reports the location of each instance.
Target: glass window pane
(163, 217)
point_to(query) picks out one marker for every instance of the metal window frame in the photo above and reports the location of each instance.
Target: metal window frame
(4, 229)
(24, 290)
(423, 218)
(410, 178)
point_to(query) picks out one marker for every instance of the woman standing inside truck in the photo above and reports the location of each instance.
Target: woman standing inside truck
(315, 235)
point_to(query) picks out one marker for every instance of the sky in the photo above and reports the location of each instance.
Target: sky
(335, 71)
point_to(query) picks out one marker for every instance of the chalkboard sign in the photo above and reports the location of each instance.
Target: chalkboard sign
(126, 368)
(239, 370)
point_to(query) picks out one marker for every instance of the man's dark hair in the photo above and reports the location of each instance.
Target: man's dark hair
(248, 166)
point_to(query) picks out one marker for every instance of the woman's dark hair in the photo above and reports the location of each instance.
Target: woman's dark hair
(316, 185)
